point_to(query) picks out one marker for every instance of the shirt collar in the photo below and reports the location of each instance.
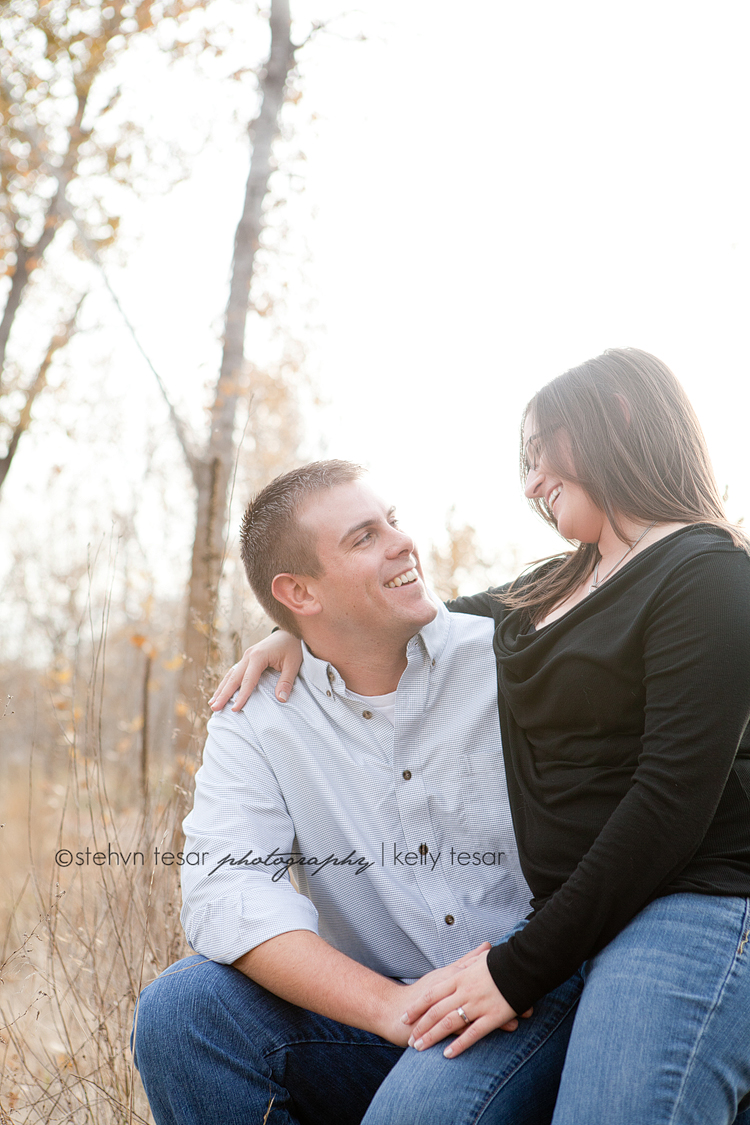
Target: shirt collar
(430, 640)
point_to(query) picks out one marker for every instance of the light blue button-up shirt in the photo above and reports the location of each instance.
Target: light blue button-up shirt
(400, 836)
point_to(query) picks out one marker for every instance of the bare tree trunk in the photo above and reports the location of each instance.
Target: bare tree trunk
(212, 472)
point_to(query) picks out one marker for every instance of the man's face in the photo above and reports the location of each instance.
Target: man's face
(372, 580)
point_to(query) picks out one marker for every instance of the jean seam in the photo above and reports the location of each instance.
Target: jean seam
(172, 972)
(327, 1042)
(709, 1015)
(270, 1077)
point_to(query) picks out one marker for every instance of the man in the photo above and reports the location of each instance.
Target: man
(380, 784)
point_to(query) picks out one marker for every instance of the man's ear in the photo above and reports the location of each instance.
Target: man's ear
(293, 591)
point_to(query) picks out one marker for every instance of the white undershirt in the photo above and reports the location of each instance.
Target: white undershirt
(384, 704)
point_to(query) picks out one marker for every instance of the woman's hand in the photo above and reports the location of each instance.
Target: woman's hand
(281, 651)
(474, 991)
(395, 1026)
(392, 1025)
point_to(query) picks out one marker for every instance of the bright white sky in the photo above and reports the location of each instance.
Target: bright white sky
(511, 188)
(493, 193)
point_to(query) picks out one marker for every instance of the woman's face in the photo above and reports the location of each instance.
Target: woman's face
(575, 513)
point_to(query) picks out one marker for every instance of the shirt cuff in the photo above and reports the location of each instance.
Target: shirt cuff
(226, 929)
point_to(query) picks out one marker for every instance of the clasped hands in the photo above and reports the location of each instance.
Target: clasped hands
(433, 1005)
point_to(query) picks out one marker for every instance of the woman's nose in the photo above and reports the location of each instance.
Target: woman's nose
(534, 480)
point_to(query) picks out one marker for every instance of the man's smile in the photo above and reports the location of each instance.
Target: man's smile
(404, 579)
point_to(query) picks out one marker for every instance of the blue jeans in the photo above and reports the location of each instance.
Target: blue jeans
(661, 1035)
(213, 1048)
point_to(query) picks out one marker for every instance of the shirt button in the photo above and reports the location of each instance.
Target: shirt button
(433, 664)
(449, 919)
(367, 714)
(406, 775)
(423, 849)
(330, 674)
(328, 694)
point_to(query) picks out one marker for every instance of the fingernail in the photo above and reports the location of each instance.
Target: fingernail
(448, 1053)
(405, 1018)
(283, 696)
(411, 1041)
(419, 1044)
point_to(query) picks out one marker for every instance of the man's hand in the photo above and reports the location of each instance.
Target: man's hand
(435, 1014)
(281, 651)
(411, 998)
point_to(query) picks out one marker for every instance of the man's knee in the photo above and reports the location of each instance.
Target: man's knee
(177, 1003)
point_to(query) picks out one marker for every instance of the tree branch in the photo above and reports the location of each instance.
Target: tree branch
(27, 257)
(177, 423)
(37, 385)
(318, 25)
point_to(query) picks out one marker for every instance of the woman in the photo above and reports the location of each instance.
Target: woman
(624, 669)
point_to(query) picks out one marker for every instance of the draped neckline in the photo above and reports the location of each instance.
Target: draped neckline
(513, 639)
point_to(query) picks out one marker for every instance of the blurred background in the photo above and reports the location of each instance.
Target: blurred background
(234, 238)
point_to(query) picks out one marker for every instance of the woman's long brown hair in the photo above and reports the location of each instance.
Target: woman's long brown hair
(622, 428)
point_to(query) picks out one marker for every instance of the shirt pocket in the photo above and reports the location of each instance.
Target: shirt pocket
(484, 799)
(482, 763)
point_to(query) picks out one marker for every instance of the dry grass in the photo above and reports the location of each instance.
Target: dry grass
(78, 942)
(88, 766)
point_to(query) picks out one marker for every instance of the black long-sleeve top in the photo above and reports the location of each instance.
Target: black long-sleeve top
(628, 761)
